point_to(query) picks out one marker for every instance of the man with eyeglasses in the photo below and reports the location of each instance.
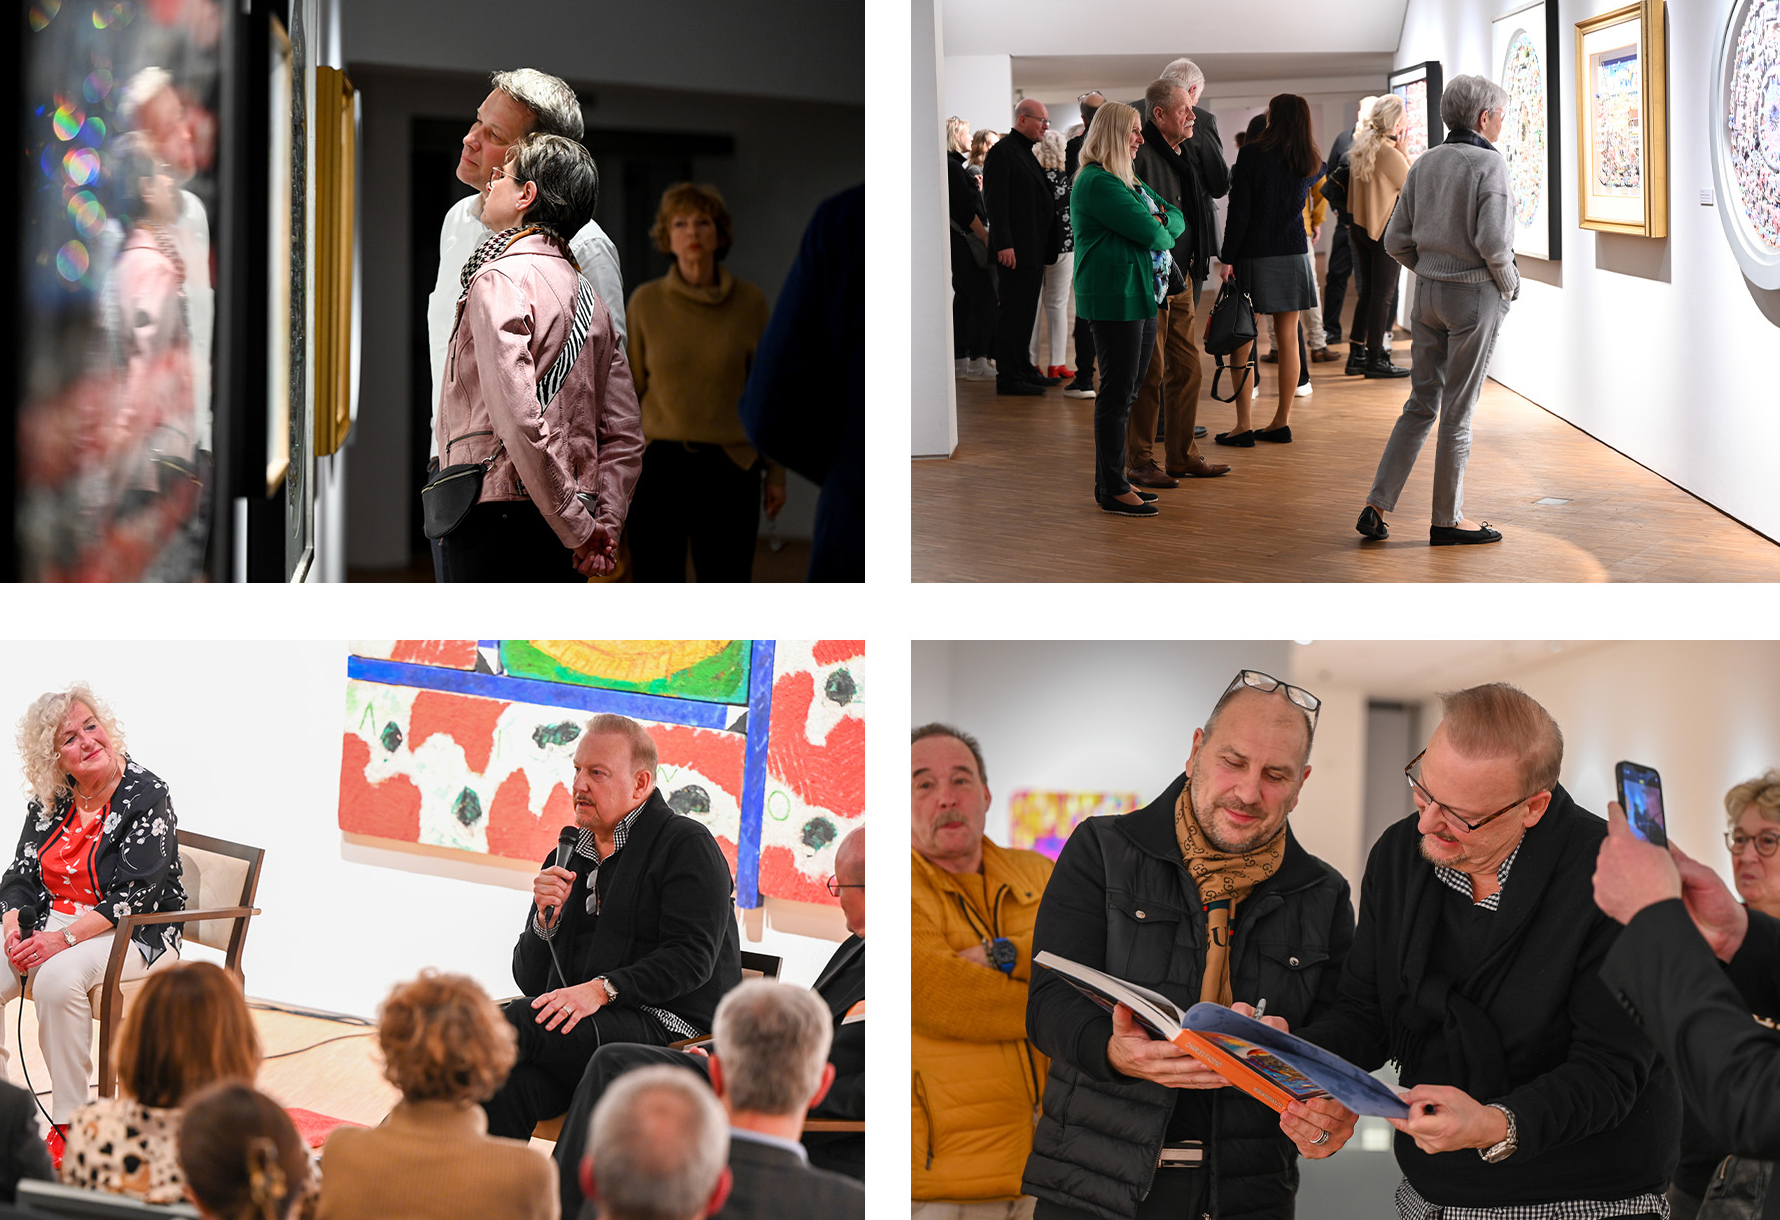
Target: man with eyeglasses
(1204, 894)
(1476, 968)
(1025, 234)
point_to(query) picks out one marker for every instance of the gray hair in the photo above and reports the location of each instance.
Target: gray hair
(936, 729)
(772, 1042)
(1050, 149)
(656, 1145)
(143, 88)
(568, 182)
(45, 777)
(1186, 73)
(1463, 98)
(643, 754)
(555, 109)
(1158, 95)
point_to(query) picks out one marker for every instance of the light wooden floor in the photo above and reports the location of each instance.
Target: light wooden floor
(1015, 502)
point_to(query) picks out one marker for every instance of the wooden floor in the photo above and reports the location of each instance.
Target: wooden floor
(1015, 502)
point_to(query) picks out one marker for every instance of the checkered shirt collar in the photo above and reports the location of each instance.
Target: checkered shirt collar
(1411, 1206)
(1452, 878)
(620, 833)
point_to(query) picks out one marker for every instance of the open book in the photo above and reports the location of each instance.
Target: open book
(1276, 1067)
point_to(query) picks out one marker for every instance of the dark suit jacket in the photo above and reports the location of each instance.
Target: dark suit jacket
(1022, 204)
(1194, 177)
(842, 985)
(773, 1184)
(666, 932)
(22, 1151)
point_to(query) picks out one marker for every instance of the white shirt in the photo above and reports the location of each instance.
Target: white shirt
(459, 236)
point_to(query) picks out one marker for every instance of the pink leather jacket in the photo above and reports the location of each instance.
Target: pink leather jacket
(508, 332)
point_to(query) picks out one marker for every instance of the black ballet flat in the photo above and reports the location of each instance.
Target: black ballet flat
(1238, 440)
(1148, 497)
(1371, 524)
(1281, 435)
(1122, 509)
(1449, 535)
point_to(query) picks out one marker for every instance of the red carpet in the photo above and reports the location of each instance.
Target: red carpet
(313, 1127)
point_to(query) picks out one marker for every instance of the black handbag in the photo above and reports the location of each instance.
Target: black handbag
(1231, 324)
(448, 497)
(1741, 1189)
(1335, 186)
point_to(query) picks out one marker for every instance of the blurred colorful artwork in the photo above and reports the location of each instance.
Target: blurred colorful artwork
(1523, 130)
(1752, 119)
(468, 745)
(1618, 128)
(1415, 113)
(1042, 820)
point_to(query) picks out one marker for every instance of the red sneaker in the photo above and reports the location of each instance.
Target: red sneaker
(57, 1142)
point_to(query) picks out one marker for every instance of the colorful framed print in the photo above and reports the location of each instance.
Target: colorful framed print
(1521, 60)
(1419, 87)
(1746, 137)
(1622, 122)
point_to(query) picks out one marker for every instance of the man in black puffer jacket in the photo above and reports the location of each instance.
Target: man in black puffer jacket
(1203, 894)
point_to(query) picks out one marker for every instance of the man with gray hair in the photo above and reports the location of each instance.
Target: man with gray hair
(1454, 228)
(656, 1150)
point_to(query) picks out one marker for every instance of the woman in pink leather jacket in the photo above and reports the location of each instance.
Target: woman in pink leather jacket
(536, 386)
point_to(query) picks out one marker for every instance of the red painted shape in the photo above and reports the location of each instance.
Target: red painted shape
(466, 719)
(827, 652)
(781, 878)
(389, 809)
(446, 654)
(512, 830)
(717, 755)
(830, 776)
(728, 848)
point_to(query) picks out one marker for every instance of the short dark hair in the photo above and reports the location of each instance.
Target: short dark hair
(568, 182)
(699, 198)
(241, 1154)
(936, 729)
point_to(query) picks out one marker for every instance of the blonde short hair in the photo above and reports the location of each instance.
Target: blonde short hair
(957, 132)
(643, 754)
(1049, 150)
(1108, 143)
(1762, 795)
(45, 779)
(1498, 720)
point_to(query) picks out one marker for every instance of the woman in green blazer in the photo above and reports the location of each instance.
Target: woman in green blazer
(1123, 235)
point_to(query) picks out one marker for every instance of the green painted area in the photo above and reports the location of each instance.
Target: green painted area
(722, 678)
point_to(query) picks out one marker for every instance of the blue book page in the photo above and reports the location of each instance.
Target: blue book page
(1302, 1061)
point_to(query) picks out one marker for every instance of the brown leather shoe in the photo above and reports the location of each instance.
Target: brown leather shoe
(1199, 468)
(1150, 476)
(1323, 355)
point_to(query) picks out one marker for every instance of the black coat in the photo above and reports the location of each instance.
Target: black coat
(1532, 1027)
(842, 986)
(773, 1184)
(1022, 206)
(1121, 900)
(666, 932)
(22, 1150)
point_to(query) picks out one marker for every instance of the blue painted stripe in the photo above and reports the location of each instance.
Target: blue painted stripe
(694, 713)
(760, 712)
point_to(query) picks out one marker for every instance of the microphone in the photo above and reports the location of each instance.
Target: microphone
(565, 843)
(27, 925)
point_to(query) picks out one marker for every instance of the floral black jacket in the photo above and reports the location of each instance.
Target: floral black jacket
(137, 862)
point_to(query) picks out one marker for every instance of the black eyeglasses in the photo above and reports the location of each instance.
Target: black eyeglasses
(1267, 684)
(1766, 843)
(1082, 97)
(1424, 798)
(835, 887)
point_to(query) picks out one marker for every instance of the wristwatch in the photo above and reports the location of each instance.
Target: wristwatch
(1002, 954)
(68, 935)
(612, 994)
(1502, 1151)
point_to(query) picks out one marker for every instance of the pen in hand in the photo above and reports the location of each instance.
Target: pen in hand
(1261, 1008)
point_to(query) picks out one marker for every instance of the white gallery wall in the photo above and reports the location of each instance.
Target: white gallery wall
(247, 736)
(1659, 347)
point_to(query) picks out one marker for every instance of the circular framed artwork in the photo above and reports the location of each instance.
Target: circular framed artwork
(1746, 137)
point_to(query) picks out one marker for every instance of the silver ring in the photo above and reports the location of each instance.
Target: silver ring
(1320, 1140)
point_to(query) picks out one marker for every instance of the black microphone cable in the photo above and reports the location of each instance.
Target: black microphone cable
(28, 914)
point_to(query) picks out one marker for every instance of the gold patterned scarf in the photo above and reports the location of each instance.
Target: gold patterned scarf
(1223, 880)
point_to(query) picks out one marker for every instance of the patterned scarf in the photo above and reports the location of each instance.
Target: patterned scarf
(497, 244)
(1223, 880)
(1161, 261)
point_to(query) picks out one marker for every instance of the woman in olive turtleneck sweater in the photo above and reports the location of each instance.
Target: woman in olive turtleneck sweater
(692, 336)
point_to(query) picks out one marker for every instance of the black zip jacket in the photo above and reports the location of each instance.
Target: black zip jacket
(1121, 900)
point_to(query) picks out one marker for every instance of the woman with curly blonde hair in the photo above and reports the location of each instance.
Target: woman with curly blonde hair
(99, 842)
(446, 1047)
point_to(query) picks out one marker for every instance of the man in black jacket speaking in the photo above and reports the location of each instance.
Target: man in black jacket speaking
(634, 941)
(1202, 895)
(1476, 968)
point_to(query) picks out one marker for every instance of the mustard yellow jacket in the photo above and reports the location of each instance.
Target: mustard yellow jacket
(977, 1080)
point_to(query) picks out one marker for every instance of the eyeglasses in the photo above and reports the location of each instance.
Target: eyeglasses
(496, 174)
(1082, 97)
(835, 887)
(1424, 798)
(1267, 684)
(1766, 843)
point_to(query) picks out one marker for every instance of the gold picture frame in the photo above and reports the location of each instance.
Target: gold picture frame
(1622, 111)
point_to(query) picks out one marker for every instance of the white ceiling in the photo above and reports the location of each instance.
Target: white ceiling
(1128, 74)
(1417, 668)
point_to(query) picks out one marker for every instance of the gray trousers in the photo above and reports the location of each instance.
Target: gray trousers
(1454, 330)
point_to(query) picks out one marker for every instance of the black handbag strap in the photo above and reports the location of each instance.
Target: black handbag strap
(1238, 375)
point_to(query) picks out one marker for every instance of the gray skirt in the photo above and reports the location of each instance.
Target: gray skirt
(1281, 283)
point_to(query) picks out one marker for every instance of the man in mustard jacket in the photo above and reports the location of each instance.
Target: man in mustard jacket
(976, 1078)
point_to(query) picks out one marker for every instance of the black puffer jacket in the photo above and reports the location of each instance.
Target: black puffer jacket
(1121, 900)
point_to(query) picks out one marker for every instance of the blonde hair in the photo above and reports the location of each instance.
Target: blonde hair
(1108, 143)
(957, 132)
(1373, 133)
(1498, 721)
(980, 143)
(1049, 150)
(39, 727)
(1762, 795)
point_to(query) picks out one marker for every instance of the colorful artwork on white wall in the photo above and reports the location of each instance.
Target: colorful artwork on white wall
(1746, 137)
(1521, 42)
(1419, 87)
(1622, 152)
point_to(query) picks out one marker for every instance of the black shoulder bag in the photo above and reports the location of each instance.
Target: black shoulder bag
(1231, 324)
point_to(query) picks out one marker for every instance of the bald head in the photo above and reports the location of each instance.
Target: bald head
(1031, 118)
(849, 874)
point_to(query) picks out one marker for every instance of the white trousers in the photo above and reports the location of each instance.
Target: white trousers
(59, 989)
(1053, 312)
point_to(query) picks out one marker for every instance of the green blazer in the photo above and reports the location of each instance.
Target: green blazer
(1114, 235)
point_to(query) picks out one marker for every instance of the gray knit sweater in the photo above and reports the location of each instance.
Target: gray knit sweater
(1455, 218)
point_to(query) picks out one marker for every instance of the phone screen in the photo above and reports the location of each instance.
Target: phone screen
(1641, 796)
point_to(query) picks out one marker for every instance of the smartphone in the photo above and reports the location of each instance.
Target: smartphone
(1641, 796)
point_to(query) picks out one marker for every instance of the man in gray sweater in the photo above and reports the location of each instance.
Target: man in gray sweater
(1454, 228)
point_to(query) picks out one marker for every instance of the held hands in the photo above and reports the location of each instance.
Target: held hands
(29, 952)
(1006, 257)
(1631, 874)
(570, 1005)
(1132, 1052)
(550, 889)
(1445, 1119)
(598, 556)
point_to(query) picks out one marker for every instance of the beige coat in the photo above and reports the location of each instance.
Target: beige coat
(1373, 198)
(433, 1160)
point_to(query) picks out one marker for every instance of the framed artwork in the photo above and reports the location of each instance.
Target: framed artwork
(1622, 150)
(1746, 137)
(1521, 44)
(1419, 87)
(1041, 820)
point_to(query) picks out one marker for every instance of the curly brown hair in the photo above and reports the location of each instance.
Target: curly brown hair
(696, 197)
(188, 1027)
(444, 1040)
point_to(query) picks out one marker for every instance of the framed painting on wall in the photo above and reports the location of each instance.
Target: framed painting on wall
(1622, 122)
(1746, 137)
(1521, 44)
(1419, 87)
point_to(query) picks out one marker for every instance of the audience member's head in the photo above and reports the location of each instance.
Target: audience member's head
(1253, 131)
(1465, 99)
(949, 790)
(1382, 122)
(849, 878)
(957, 135)
(564, 176)
(241, 1155)
(1165, 106)
(1186, 73)
(981, 143)
(189, 1027)
(1050, 151)
(443, 1039)
(1497, 720)
(1089, 102)
(1289, 136)
(685, 198)
(1366, 104)
(657, 1148)
(771, 1049)
(1031, 119)
(1753, 812)
(1108, 143)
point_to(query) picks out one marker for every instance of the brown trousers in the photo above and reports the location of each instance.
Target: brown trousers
(1171, 388)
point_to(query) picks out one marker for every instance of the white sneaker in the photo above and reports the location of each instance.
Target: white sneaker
(960, 367)
(979, 370)
(1071, 390)
(1302, 391)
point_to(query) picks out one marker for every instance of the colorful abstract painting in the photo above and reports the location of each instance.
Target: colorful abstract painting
(1752, 120)
(1618, 129)
(468, 745)
(1415, 113)
(1523, 141)
(1041, 821)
